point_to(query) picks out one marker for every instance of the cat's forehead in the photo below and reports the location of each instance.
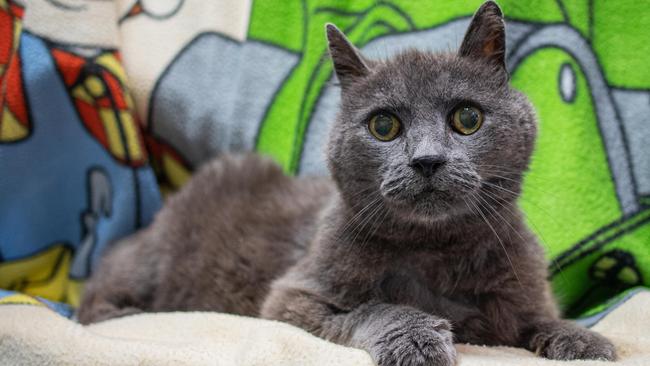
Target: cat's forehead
(413, 73)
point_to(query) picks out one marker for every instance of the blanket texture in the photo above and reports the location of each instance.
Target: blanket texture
(224, 340)
(100, 98)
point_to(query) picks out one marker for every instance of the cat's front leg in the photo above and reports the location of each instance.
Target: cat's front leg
(392, 334)
(401, 335)
(562, 340)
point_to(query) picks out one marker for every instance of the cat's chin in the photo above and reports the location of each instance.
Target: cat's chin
(425, 212)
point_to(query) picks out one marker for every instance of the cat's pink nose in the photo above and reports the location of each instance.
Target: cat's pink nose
(427, 164)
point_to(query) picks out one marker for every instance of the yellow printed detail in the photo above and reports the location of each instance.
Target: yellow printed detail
(112, 132)
(176, 172)
(110, 62)
(44, 274)
(10, 128)
(99, 89)
(95, 86)
(129, 101)
(132, 136)
(20, 299)
(74, 291)
(82, 94)
(18, 29)
(14, 115)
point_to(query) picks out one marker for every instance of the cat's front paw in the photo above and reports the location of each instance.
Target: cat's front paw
(418, 341)
(574, 343)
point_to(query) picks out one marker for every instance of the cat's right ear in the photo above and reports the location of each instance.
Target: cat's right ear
(348, 62)
(486, 36)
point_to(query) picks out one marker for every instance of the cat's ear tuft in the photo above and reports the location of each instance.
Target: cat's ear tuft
(348, 62)
(486, 36)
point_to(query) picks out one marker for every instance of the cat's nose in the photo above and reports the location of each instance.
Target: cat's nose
(427, 164)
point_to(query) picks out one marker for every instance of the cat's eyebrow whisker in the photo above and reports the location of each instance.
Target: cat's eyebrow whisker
(500, 242)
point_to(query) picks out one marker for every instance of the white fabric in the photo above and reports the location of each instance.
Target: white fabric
(33, 335)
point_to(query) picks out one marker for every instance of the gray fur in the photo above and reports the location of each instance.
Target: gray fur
(384, 258)
(207, 249)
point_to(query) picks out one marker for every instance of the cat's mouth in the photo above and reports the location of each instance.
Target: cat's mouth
(430, 198)
(428, 202)
(427, 193)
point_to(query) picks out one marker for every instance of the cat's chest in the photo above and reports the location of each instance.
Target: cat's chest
(448, 274)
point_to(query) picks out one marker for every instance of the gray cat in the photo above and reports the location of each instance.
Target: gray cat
(417, 233)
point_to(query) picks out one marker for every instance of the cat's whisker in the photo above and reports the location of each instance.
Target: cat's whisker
(515, 177)
(355, 226)
(357, 216)
(498, 176)
(540, 237)
(360, 215)
(376, 226)
(366, 191)
(505, 170)
(542, 209)
(499, 214)
(366, 221)
(500, 242)
(516, 195)
(498, 166)
(513, 193)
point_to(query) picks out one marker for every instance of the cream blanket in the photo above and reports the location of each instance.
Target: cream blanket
(32, 335)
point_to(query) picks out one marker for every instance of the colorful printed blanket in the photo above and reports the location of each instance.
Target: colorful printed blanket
(106, 104)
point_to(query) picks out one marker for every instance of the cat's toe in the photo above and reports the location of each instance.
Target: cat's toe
(420, 345)
(582, 344)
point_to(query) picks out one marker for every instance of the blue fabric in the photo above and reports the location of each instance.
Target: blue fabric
(77, 178)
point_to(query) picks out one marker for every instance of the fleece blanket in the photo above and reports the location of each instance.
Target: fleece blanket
(220, 339)
(106, 104)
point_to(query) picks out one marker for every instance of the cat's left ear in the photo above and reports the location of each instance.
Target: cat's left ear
(348, 62)
(486, 36)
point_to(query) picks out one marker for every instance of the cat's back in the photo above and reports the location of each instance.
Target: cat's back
(237, 224)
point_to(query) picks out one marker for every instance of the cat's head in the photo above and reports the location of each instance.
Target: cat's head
(428, 135)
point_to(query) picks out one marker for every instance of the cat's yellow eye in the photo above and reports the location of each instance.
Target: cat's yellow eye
(384, 127)
(467, 119)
